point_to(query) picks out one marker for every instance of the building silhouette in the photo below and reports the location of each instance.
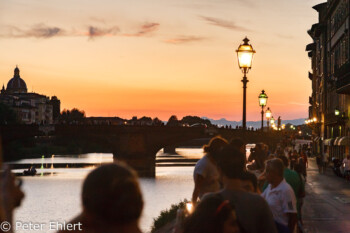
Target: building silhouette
(330, 77)
(30, 107)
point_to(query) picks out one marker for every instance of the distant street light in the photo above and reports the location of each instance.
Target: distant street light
(336, 112)
(272, 121)
(262, 102)
(268, 115)
(245, 54)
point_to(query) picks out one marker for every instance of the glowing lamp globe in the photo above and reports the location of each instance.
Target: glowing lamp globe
(263, 98)
(245, 54)
(336, 112)
(268, 113)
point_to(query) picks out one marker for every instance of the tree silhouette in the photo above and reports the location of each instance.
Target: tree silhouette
(173, 121)
(191, 120)
(74, 115)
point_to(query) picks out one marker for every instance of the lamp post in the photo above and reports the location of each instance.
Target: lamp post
(268, 115)
(262, 102)
(245, 54)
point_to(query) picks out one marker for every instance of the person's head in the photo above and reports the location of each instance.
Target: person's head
(284, 160)
(274, 170)
(230, 162)
(239, 144)
(249, 182)
(12, 189)
(111, 195)
(215, 144)
(213, 214)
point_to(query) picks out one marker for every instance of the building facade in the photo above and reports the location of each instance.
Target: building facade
(330, 77)
(30, 108)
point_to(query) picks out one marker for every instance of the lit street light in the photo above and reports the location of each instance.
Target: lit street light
(336, 112)
(272, 121)
(262, 102)
(268, 115)
(245, 54)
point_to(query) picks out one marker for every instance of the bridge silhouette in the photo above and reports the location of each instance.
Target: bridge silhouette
(136, 145)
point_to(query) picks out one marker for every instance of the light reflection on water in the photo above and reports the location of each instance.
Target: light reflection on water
(56, 197)
(84, 158)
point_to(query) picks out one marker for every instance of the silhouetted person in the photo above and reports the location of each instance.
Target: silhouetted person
(253, 213)
(112, 201)
(259, 157)
(239, 144)
(212, 215)
(249, 182)
(205, 175)
(11, 195)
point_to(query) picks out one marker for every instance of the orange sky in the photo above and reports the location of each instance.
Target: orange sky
(160, 57)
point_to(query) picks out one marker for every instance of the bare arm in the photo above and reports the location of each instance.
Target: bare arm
(198, 182)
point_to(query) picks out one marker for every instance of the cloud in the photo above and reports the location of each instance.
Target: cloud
(99, 32)
(45, 32)
(36, 31)
(223, 23)
(184, 39)
(144, 30)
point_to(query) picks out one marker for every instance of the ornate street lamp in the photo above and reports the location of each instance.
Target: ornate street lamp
(268, 115)
(245, 54)
(262, 102)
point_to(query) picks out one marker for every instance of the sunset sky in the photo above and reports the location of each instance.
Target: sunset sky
(160, 57)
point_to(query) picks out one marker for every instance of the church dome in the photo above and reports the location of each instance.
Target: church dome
(16, 84)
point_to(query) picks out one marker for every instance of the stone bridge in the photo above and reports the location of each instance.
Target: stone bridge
(136, 145)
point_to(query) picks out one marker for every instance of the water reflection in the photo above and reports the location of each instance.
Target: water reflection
(54, 195)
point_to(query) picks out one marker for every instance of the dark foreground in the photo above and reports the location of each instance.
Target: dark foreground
(327, 202)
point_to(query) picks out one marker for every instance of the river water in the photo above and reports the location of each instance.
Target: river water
(55, 196)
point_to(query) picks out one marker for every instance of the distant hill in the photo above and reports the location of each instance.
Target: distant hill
(255, 124)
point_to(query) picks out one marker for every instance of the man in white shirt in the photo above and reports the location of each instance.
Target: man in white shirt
(280, 196)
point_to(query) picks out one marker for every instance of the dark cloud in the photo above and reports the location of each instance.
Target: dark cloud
(36, 31)
(99, 32)
(223, 23)
(144, 30)
(184, 39)
(92, 31)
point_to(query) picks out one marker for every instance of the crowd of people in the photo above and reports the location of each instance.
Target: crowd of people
(232, 193)
(265, 191)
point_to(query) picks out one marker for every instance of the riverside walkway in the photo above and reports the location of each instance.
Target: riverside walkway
(327, 203)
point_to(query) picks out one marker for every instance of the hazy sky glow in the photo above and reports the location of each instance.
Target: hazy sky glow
(160, 57)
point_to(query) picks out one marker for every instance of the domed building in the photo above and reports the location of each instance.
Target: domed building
(31, 108)
(16, 84)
